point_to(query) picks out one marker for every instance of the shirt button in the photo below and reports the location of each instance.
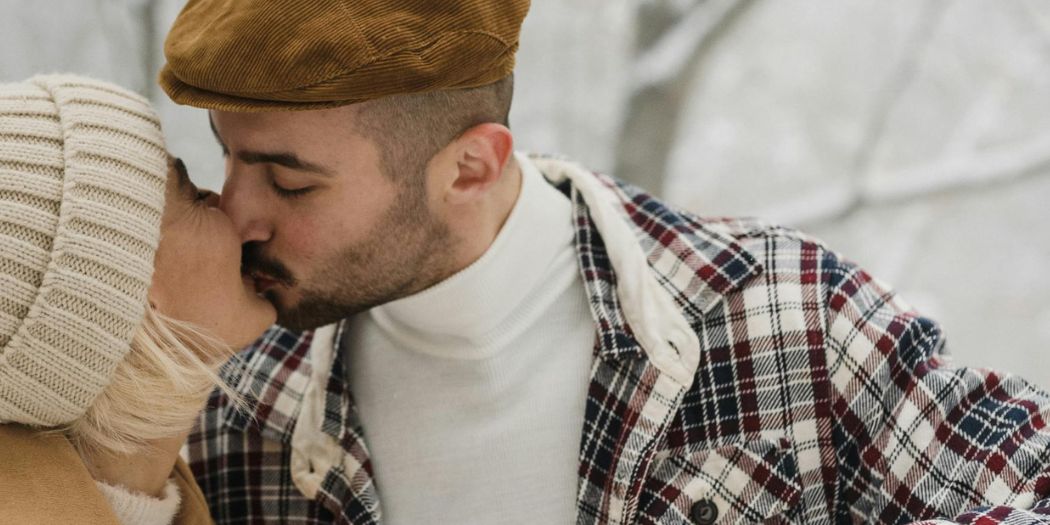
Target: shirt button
(704, 512)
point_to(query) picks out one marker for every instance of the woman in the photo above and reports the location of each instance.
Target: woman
(120, 295)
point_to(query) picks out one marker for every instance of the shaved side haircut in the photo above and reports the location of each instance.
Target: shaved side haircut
(410, 129)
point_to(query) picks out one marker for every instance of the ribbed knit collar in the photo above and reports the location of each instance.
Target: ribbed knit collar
(470, 314)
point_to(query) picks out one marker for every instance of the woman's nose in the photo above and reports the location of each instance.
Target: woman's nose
(211, 198)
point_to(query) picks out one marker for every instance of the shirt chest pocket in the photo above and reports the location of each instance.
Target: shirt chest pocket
(751, 482)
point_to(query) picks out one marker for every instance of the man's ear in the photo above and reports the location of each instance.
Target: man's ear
(481, 153)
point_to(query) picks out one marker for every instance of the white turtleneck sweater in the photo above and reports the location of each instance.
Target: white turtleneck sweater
(472, 392)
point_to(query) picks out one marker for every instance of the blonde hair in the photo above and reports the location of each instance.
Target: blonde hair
(157, 390)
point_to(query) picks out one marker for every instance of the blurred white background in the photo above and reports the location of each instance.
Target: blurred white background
(913, 136)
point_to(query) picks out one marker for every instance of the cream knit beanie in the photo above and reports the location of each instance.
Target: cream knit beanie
(82, 177)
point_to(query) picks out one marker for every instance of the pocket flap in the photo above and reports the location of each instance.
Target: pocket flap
(747, 482)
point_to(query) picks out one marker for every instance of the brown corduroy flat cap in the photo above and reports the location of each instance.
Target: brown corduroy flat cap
(271, 55)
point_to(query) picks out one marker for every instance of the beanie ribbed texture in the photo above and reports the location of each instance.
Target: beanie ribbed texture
(82, 177)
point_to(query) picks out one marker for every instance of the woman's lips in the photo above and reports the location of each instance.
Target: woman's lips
(249, 283)
(262, 282)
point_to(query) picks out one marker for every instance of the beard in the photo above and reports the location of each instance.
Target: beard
(407, 251)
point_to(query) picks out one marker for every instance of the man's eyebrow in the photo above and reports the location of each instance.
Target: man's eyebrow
(288, 160)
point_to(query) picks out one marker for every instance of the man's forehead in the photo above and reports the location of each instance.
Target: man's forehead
(270, 120)
(302, 129)
(317, 141)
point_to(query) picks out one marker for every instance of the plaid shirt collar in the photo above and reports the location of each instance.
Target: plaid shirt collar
(693, 261)
(696, 265)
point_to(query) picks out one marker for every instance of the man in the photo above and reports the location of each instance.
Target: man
(471, 335)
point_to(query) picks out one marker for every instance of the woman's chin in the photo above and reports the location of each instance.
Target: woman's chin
(267, 313)
(254, 320)
(259, 311)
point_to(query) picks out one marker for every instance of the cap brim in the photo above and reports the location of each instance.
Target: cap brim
(188, 95)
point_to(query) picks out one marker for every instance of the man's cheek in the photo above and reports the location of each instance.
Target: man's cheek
(302, 237)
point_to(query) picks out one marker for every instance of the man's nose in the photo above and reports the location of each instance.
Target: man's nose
(247, 209)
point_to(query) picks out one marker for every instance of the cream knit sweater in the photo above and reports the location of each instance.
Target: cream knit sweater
(133, 508)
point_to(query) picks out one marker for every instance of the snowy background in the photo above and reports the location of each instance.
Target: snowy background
(913, 136)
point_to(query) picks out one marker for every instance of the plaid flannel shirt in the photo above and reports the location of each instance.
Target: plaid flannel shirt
(819, 397)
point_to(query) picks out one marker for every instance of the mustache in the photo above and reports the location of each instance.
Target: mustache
(253, 261)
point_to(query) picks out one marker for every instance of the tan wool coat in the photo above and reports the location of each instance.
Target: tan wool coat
(43, 481)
